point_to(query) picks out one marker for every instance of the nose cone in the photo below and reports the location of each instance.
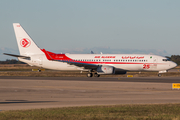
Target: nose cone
(173, 64)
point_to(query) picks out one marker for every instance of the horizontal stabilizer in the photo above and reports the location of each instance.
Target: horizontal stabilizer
(16, 55)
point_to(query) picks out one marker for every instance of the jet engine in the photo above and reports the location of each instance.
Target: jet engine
(105, 70)
(109, 70)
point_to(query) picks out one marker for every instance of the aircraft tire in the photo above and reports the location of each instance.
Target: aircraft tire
(89, 75)
(96, 75)
(159, 75)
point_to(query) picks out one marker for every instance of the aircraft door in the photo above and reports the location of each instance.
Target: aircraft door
(155, 60)
(154, 66)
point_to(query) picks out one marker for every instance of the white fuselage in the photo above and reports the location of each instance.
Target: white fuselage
(127, 62)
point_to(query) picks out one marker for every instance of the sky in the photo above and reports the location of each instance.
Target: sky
(87, 24)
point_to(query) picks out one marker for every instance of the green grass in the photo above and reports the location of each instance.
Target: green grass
(119, 112)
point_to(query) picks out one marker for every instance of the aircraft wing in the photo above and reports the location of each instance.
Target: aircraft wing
(84, 65)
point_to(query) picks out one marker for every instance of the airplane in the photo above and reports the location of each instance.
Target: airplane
(94, 64)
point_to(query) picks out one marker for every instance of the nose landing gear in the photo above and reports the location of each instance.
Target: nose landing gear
(159, 75)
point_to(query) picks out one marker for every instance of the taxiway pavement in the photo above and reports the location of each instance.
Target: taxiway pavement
(48, 92)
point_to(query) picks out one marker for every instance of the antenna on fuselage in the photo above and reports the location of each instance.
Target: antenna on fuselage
(92, 52)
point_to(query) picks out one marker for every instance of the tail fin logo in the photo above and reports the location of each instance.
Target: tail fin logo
(25, 42)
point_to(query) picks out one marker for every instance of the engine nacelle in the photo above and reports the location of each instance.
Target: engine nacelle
(105, 70)
(109, 70)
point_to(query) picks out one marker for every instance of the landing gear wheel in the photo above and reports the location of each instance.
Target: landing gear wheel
(159, 75)
(89, 75)
(96, 75)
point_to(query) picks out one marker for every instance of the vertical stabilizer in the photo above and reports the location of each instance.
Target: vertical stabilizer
(25, 44)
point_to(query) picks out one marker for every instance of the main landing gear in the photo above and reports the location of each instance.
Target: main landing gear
(95, 75)
(89, 75)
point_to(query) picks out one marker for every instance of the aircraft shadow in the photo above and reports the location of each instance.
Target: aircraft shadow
(23, 101)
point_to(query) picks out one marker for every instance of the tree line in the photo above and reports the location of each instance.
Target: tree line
(12, 61)
(175, 58)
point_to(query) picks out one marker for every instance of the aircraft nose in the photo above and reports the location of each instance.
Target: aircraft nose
(173, 64)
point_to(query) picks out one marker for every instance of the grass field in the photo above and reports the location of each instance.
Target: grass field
(26, 70)
(118, 112)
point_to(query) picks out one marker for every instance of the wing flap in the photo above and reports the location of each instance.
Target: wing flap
(85, 65)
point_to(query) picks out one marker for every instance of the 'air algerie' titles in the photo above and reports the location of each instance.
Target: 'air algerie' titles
(123, 57)
(105, 57)
(134, 57)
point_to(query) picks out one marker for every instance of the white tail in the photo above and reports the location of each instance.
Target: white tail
(25, 44)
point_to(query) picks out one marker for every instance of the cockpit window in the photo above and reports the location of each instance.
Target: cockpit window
(166, 59)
